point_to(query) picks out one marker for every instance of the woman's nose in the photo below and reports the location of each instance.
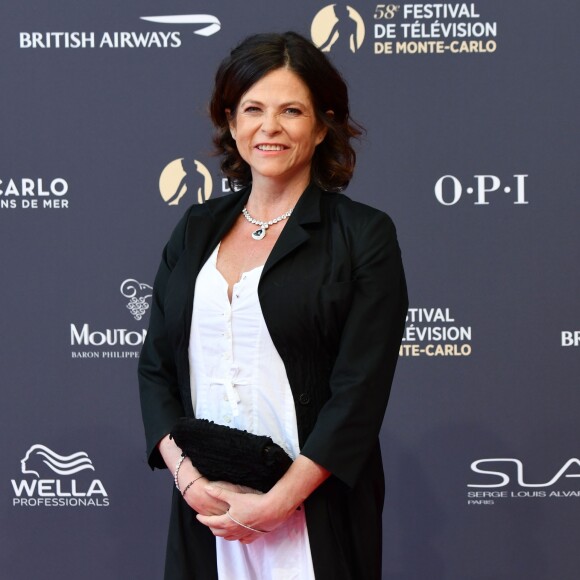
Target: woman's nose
(270, 123)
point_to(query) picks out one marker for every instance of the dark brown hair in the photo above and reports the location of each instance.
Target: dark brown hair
(334, 159)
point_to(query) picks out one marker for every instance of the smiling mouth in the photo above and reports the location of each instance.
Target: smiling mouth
(270, 147)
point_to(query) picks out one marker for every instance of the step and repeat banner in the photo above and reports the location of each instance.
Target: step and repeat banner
(472, 117)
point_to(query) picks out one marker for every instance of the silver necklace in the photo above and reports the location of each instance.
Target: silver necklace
(260, 233)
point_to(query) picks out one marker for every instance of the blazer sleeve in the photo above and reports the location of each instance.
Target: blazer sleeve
(161, 404)
(348, 424)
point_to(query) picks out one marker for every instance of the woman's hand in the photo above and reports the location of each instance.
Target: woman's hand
(195, 496)
(206, 503)
(199, 500)
(250, 513)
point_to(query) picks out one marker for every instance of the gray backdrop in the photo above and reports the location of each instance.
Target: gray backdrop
(472, 148)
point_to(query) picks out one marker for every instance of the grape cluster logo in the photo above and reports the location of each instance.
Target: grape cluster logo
(182, 175)
(139, 294)
(337, 27)
(52, 485)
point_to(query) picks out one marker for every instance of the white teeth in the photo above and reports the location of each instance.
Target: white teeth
(270, 147)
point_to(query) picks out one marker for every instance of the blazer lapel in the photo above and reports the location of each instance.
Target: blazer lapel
(293, 235)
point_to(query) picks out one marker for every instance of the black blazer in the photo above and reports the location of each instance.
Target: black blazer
(333, 296)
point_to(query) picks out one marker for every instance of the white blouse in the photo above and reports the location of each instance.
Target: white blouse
(238, 379)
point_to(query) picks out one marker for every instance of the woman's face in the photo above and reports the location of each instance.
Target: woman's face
(275, 128)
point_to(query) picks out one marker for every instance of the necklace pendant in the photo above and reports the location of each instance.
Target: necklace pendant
(259, 234)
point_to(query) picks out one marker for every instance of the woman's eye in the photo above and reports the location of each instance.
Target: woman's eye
(251, 110)
(293, 111)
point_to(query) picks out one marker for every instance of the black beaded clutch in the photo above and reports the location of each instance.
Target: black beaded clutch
(223, 453)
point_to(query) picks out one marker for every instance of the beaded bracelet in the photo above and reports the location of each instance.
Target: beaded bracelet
(177, 471)
(190, 484)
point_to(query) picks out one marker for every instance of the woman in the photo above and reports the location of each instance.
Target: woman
(278, 309)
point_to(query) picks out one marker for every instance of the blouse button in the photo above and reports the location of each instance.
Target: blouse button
(304, 399)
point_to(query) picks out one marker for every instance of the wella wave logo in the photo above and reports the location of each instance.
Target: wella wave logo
(61, 464)
(47, 490)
